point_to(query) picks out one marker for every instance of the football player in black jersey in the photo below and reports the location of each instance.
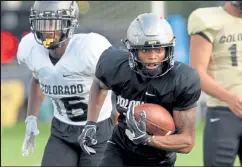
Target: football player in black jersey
(145, 72)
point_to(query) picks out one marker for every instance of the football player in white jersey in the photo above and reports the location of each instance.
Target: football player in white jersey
(63, 66)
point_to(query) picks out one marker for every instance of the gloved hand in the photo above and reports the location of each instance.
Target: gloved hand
(136, 131)
(88, 137)
(31, 131)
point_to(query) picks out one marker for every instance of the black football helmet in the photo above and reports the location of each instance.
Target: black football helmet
(52, 17)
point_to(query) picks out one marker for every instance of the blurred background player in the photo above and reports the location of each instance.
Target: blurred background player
(216, 52)
(63, 67)
(145, 72)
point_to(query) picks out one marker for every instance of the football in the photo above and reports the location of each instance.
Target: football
(158, 120)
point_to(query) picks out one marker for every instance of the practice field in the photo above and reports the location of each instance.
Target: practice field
(12, 138)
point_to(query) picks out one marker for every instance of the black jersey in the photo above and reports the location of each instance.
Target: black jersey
(179, 89)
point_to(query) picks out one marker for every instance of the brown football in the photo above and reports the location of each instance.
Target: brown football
(158, 120)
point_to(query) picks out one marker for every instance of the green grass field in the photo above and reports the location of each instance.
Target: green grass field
(12, 139)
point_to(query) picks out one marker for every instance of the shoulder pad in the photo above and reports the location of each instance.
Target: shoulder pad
(113, 56)
(97, 44)
(109, 63)
(190, 73)
(188, 89)
(203, 19)
(185, 74)
(24, 48)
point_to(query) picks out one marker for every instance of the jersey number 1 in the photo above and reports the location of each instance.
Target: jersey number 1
(233, 53)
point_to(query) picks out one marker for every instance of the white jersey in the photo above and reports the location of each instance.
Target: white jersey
(68, 82)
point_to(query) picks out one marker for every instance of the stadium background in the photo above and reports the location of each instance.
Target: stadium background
(111, 19)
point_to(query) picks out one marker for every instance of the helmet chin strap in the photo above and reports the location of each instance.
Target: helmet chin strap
(54, 46)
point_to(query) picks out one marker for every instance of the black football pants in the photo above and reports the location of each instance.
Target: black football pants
(62, 148)
(114, 156)
(222, 137)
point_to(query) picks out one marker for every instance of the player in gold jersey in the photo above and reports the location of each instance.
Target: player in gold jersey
(216, 53)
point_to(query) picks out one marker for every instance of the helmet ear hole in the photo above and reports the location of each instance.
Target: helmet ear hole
(126, 43)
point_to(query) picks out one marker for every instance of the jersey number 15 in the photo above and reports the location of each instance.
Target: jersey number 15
(75, 109)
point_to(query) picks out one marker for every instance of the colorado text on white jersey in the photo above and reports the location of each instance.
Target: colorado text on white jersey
(68, 82)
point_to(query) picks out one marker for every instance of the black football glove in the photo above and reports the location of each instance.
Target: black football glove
(88, 137)
(136, 131)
